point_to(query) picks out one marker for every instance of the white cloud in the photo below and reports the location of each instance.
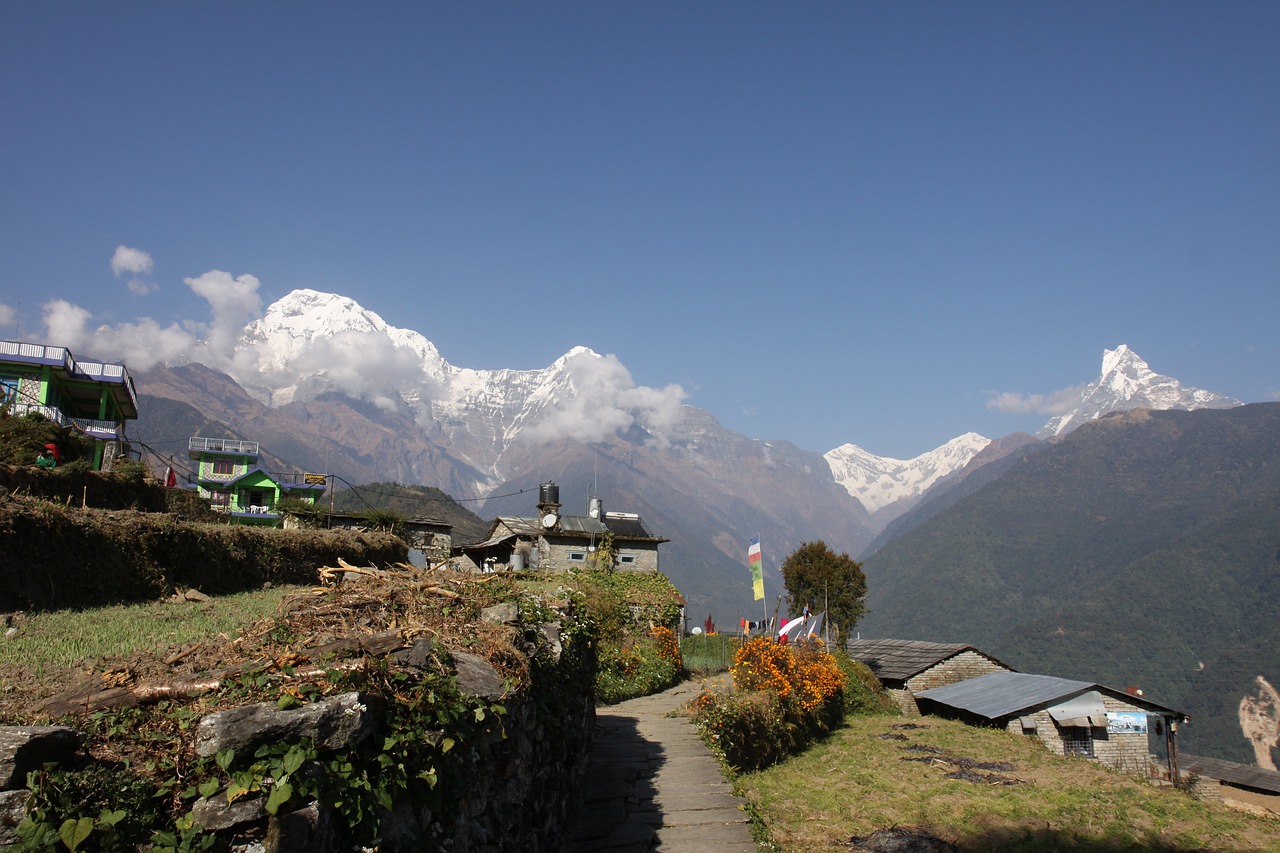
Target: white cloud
(364, 365)
(1056, 403)
(8, 315)
(602, 399)
(235, 302)
(138, 287)
(66, 325)
(133, 261)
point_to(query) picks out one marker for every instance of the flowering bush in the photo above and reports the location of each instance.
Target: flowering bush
(784, 697)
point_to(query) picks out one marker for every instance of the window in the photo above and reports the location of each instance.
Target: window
(220, 499)
(626, 559)
(224, 466)
(1077, 740)
(577, 556)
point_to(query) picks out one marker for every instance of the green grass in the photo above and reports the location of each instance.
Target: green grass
(68, 638)
(705, 654)
(857, 782)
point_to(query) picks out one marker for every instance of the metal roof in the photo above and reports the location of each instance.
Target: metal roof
(1003, 694)
(898, 660)
(1239, 775)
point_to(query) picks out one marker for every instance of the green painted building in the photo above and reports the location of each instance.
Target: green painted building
(95, 399)
(229, 475)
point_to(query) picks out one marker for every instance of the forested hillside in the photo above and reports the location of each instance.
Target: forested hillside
(1143, 549)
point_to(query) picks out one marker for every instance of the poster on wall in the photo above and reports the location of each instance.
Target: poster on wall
(1126, 722)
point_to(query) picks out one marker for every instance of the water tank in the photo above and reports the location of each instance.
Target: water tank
(517, 562)
(548, 493)
(594, 508)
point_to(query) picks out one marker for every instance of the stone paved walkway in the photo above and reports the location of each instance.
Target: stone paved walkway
(653, 785)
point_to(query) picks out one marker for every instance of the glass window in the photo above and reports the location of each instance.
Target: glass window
(577, 556)
(626, 559)
(224, 466)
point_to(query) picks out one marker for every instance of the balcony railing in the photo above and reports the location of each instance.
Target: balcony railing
(91, 426)
(222, 445)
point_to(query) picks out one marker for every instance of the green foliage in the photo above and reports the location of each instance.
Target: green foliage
(308, 514)
(637, 667)
(862, 693)
(386, 520)
(23, 437)
(815, 575)
(99, 807)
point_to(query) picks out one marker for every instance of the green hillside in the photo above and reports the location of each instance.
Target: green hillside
(1140, 550)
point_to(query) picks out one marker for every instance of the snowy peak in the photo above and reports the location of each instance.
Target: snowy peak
(1127, 382)
(879, 481)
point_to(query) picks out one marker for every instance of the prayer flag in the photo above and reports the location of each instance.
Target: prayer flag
(756, 562)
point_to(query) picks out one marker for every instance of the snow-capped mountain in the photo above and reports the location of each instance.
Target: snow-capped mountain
(310, 343)
(889, 487)
(1127, 382)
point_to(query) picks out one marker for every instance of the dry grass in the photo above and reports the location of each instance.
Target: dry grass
(860, 780)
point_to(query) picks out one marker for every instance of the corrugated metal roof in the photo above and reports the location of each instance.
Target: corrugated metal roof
(898, 660)
(1004, 694)
(1241, 775)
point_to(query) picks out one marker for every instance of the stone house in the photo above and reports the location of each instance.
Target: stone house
(907, 667)
(1069, 717)
(229, 476)
(92, 398)
(552, 541)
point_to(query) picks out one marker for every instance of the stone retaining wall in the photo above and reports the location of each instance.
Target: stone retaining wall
(518, 784)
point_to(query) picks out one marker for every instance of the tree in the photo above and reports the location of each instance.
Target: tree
(817, 576)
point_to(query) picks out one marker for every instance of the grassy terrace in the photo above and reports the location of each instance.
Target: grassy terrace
(43, 646)
(1013, 795)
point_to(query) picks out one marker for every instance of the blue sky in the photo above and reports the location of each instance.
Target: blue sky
(827, 222)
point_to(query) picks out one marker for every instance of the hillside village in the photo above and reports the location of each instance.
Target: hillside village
(90, 404)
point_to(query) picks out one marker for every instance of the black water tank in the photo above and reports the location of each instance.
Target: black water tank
(548, 493)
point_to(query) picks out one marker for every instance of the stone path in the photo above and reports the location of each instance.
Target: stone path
(653, 785)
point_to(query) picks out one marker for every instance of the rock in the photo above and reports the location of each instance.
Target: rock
(501, 614)
(303, 831)
(419, 656)
(477, 677)
(901, 840)
(216, 813)
(13, 810)
(332, 724)
(25, 748)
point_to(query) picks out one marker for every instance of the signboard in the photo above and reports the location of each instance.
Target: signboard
(315, 479)
(1126, 722)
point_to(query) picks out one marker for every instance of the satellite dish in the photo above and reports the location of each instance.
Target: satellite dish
(549, 520)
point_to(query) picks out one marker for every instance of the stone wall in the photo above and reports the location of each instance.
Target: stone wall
(513, 786)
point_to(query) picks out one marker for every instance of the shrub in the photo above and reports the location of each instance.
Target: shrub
(638, 667)
(785, 696)
(863, 692)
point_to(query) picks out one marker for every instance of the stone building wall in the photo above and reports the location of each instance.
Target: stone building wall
(1124, 751)
(957, 668)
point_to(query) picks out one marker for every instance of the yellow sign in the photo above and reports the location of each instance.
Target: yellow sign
(315, 479)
